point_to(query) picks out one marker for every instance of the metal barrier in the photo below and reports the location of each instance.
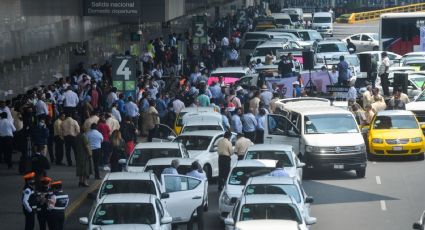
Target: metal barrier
(376, 14)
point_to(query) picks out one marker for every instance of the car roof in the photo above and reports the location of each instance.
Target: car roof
(167, 161)
(310, 110)
(415, 60)
(155, 145)
(329, 42)
(129, 176)
(256, 163)
(414, 53)
(197, 109)
(321, 14)
(268, 147)
(271, 44)
(126, 227)
(266, 199)
(394, 112)
(230, 70)
(127, 198)
(206, 133)
(271, 224)
(197, 122)
(271, 180)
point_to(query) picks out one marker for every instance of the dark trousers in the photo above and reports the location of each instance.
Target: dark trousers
(6, 149)
(69, 144)
(152, 133)
(385, 84)
(29, 220)
(42, 219)
(250, 135)
(223, 170)
(97, 156)
(70, 110)
(55, 219)
(50, 142)
(106, 151)
(199, 219)
(259, 137)
(58, 149)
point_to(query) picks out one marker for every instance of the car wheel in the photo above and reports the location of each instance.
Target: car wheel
(375, 48)
(208, 172)
(206, 205)
(361, 173)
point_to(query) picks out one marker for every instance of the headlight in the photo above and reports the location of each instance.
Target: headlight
(320, 60)
(225, 198)
(377, 140)
(416, 140)
(360, 148)
(311, 149)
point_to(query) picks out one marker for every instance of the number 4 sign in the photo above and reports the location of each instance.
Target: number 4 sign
(124, 72)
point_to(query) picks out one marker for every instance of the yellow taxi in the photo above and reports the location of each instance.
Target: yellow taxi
(396, 133)
(178, 123)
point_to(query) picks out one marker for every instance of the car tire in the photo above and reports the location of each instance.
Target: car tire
(375, 48)
(208, 172)
(206, 206)
(361, 173)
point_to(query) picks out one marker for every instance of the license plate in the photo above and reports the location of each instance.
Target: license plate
(338, 166)
(398, 148)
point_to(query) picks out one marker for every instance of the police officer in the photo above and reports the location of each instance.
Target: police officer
(42, 197)
(28, 200)
(57, 203)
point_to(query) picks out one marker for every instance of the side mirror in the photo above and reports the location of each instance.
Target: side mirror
(300, 165)
(166, 220)
(310, 220)
(165, 196)
(229, 221)
(214, 149)
(83, 220)
(365, 129)
(122, 161)
(417, 225)
(309, 200)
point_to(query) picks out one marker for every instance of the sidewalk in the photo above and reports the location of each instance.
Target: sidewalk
(11, 215)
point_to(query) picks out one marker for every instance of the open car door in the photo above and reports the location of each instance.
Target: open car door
(280, 130)
(184, 191)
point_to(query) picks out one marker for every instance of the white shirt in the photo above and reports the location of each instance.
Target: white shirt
(112, 97)
(225, 41)
(116, 114)
(41, 108)
(6, 128)
(71, 99)
(9, 114)
(384, 65)
(352, 93)
(266, 97)
(178, 106)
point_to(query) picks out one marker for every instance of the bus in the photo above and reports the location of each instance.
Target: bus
(400, 33)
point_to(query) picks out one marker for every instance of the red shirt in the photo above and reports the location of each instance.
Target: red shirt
(94, 98)
(103, 128)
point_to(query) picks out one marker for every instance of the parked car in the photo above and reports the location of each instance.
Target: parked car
(365, 41)
(327, 49)
(417, 106)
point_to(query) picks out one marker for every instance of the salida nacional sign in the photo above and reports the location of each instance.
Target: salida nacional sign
(118, 8)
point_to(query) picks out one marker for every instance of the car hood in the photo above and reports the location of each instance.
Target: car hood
(292, 171)
(330, 140)
(416, 106)
(126, 227)
(396, 134)
(135, 169)
(329, 55)
(195, 153)
(306, 43)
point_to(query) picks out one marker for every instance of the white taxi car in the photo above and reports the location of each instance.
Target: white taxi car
(143, 152)
(283, 186)
(122, 210)
(292, 165)
(271, 225)
(235, 183)
(267, 207)
(202, 145)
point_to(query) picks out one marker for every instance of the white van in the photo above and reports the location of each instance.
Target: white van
(324, 136)
(283, 20)
(323, 23)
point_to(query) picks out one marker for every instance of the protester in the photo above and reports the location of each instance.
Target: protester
(83, 158)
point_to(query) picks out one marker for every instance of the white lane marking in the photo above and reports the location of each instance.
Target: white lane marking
(383, 205)
(378, 180)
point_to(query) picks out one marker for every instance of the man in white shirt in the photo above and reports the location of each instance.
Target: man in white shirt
(41, 110)
(6, 139)
(352, 92)
(112, 123)
(112, 97)
(241, 145)
(265, 95)
(132, 111)
(178, 105)
(70, 101)
(115, 113)
(383, 73)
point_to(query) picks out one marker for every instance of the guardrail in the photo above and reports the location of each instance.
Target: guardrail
(375, 14)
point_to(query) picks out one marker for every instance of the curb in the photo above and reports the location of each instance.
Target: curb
(79, 201)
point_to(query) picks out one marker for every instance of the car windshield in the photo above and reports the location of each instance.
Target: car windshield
(228, 75)
(250, 45)
(124, 213)
(282, 189)
(240, 175)
(270, 212)
(141, 156)
(127, 186)
(374, 36)
(284, 21)
(331, 47)
(267, 50)
(419, 80)
(395, 122)
(329, 124)
(322, 20)
(270, 155)
(353, 60)
(157, 169)
(421, 97)
(192, 128)
(194, 142)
